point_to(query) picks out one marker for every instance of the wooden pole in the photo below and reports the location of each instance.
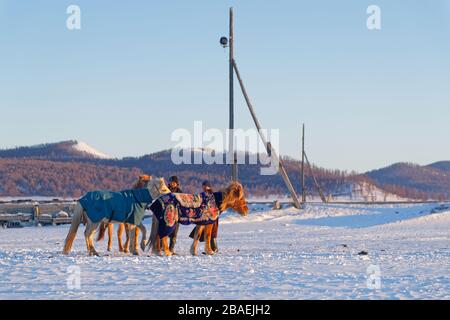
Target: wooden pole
(231, 100)
(268, 146)
(322, 196)
(303, 165)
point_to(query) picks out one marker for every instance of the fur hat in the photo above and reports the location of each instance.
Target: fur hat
(207, 184)
(174, 179)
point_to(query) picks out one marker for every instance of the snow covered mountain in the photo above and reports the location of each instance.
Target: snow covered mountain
(71, 149)
(88, 150)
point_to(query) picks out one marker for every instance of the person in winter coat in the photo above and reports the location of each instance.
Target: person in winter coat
(174, 186)
(207, 188)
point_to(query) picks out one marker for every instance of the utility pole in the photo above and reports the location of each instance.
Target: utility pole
(231, 152)
(303, 165)
(319, 189)
(231, 100)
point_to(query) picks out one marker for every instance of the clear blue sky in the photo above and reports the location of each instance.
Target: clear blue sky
(139, 69)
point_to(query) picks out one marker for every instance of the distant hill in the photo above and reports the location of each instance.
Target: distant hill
(36, 164)
(407, 179)
(70, 168)
(68, 150)
(192, 175)
(442, 165)
(30, 177)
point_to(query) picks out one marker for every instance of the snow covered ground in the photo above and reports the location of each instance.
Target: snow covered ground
(284, 254)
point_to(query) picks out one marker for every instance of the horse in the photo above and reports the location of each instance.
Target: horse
(127, 206)
(123, 227)
(200, 209)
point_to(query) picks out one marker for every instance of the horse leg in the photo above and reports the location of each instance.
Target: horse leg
(120, 237)
(173, 238)
(76, 221)
(126, 246)
(136, 238)
(144, 236)
(131, 235)
(214, 232)
(208, 231)
(157, 245)
(165, 242)
(110, 235)
(89, 237)
(197, 235)
(154, 237)
(88, 245)
(87, 230)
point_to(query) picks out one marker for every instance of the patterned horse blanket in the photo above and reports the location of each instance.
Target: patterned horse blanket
(124, 206)
(173, 208)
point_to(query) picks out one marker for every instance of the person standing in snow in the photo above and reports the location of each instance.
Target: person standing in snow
(174, 186)
(206, 186)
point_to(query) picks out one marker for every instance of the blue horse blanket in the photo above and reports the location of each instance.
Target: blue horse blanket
(124, 206)
(173, 208)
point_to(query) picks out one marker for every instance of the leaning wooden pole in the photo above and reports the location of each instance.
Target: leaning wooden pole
(231, 101)
(303, 165)
(319, 189)
(268, 146)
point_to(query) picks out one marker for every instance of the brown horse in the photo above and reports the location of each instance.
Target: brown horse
(231, 197)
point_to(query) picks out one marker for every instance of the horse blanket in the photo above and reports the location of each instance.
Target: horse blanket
(124, 206)
(173, 208)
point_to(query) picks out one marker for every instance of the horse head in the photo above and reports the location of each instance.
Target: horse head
(234, 199)
(157, 187)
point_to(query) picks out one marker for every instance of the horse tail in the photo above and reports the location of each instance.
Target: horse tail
(76, 221)
(101, 231)
(157, 210)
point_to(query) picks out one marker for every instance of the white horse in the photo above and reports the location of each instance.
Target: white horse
(156, 188)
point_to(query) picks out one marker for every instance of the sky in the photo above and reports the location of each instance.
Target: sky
(138, 70)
